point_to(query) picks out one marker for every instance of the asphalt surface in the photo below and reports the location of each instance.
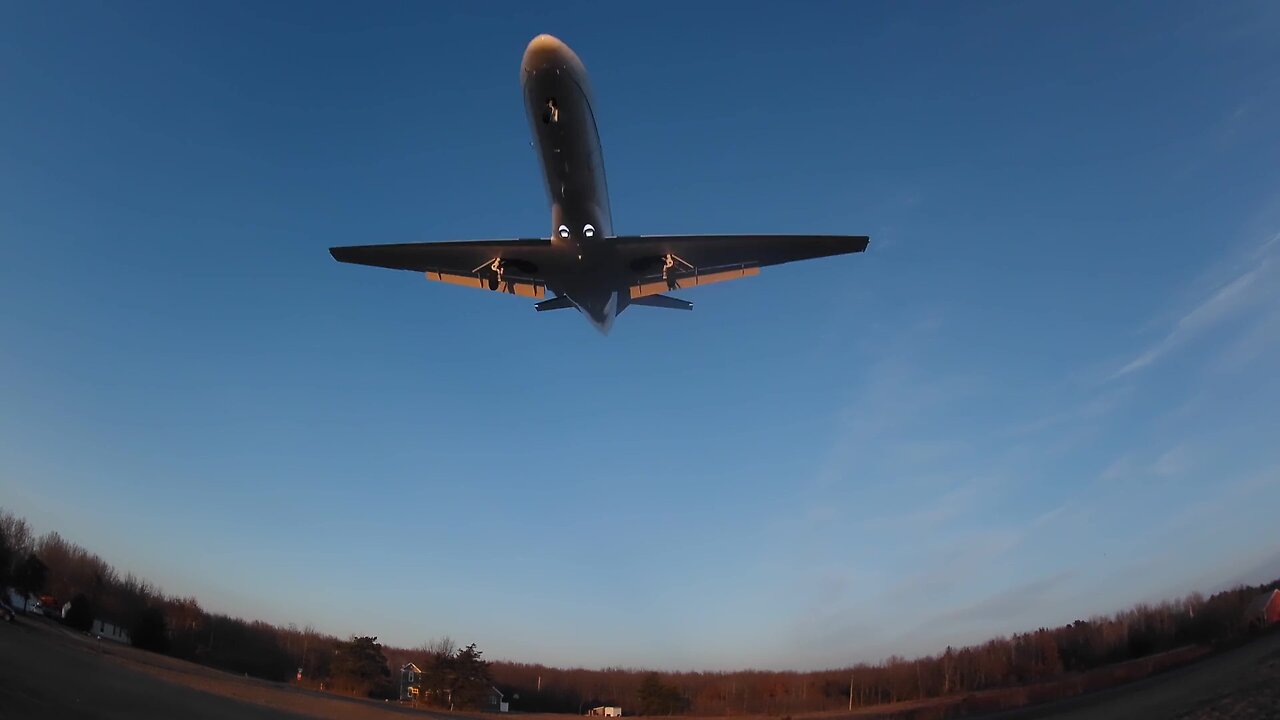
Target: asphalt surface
(1177, 693)
(45, 674)
(50, 673)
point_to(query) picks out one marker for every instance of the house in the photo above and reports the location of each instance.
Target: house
(410, 682)
(100, 628)
(606, 711)
(494, 702)
(1264, 610)
(411, 691)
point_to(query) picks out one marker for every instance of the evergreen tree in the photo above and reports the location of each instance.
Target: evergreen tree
(30, 577)
(80, 614)
(471, 682)
(150, 632)
(360, 667)
(657, 698)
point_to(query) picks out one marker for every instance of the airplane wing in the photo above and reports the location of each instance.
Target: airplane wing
(669, 262)
(509, 266)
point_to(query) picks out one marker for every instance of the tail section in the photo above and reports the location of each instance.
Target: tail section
(560, 302)
(662, 301)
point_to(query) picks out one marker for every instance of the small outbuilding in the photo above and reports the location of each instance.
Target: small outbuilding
(606, 711)
(494, 701)
(104, 630)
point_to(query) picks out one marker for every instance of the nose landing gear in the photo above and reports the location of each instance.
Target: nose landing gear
(552, 113)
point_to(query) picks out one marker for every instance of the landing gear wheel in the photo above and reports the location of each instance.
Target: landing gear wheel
(497, 280)
(669, 262)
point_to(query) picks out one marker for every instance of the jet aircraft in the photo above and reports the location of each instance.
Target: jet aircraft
(583, 263)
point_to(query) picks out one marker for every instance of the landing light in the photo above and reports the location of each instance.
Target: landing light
(589, 231)
(564, 231)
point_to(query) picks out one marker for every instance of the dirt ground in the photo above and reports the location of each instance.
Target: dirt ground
(49, 672)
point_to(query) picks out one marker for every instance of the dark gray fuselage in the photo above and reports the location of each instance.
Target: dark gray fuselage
(557, 99)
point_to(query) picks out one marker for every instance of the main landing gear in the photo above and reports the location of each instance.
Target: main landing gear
(668, 263)
(499, 270)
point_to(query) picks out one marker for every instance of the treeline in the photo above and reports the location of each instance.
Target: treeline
(155, 621)
(459, 678)
(180, 627)
(1037, 656)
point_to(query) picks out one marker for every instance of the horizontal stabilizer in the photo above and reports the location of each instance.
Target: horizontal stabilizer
(663, 301)
(560, 302)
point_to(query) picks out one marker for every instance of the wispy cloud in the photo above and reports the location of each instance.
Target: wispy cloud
(1000, 606)
(1174, 461)
(1246, 290)
(1120, 469)
(935, 522)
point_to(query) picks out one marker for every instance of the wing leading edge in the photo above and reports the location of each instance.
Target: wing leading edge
(507, 266)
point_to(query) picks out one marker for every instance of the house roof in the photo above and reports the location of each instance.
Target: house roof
(410, 666)
(1260, 603)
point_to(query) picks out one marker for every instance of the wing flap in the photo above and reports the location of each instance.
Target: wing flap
(523, 288)
(688, 279)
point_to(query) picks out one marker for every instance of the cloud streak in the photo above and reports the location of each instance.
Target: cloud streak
(1230, 300)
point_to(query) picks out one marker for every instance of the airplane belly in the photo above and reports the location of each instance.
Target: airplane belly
(564, 130)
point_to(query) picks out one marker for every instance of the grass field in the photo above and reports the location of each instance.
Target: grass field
(48, 672)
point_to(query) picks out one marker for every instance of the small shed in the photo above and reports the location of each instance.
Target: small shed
(1264, 610)
(606, 711)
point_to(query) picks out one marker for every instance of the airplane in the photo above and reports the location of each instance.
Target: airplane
(583, 263)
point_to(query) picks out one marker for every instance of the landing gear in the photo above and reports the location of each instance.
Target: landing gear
(669, 262)
(496, 281)
(499, 270)
(552, 112)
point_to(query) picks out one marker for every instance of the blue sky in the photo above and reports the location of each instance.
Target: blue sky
(1047, 390)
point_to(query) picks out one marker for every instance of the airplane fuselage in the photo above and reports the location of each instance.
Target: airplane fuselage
(558, 101)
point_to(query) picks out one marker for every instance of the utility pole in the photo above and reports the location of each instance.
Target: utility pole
(850, 693)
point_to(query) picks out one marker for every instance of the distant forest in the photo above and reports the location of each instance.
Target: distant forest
(180, 627)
